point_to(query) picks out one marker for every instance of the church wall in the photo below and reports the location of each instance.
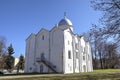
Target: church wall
(80, 55)
(83, 55)
(26, 57)
(56, 49)
(42, 47)
(62, 50)
(68, 43)
(76, 54)
(30, 45)
(90, 53)
(89, 57)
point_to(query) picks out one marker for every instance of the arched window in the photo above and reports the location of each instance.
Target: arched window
(88, 57)
(30, 68)
(68, 42)
(69, 54)
(77, 55)
(84, 68)
(84, 50)
(43, 37)
(76, 45)
(41, 68)
(83, 57)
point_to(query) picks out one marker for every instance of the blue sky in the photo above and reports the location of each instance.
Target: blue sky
(20, 18)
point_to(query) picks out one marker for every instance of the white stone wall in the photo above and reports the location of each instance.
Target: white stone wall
(55, 45)
(76, 54)
(89, 57)
(83, 55)
(68, 63)
(30, 57)
(56, 48)
(42, 47)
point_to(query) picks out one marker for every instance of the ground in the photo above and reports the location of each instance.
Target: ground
(107, 74)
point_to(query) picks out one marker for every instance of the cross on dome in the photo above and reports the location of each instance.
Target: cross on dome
(64, 14)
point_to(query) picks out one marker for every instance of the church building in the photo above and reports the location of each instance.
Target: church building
(58, 50)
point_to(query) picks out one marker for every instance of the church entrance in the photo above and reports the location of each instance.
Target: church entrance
(84, 68)
(41, 68)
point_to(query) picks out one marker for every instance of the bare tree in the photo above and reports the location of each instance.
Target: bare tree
(2, 45)
(104, 53)
(112, 55)
(95, 38)
(111, 17)
(110, 22)
(2, 51)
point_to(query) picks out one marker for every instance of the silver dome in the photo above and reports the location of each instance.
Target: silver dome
(65, 21)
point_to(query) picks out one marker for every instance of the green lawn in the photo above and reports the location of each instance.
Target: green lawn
(106, 70)
(106, 74)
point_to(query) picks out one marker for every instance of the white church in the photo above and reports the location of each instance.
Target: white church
(58, 51)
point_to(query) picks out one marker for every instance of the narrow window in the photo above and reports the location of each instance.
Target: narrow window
(76, 46)
(88, 57)
(68, 42)
(83, 57)
(43, 37)
(84, 50)
(84, 68)
(30, 68)
(41, 68)
(77, 55)
(69, 54)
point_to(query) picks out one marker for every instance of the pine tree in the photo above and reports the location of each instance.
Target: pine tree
(21, 63)
(10, 59)
(10, 50)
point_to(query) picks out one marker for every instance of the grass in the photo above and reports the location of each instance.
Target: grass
(106, 70)
(106, 74)
(19, 74)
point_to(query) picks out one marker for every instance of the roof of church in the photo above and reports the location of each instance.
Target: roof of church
(32, 34)
(65, 21)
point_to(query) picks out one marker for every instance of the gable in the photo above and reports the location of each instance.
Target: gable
(42, 31)
(30, 36)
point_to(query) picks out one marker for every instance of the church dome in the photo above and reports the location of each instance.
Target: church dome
(65, 21)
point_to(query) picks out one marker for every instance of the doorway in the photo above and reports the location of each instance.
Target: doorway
(41, 68)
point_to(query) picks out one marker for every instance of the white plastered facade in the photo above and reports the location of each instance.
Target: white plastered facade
(58, 50)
